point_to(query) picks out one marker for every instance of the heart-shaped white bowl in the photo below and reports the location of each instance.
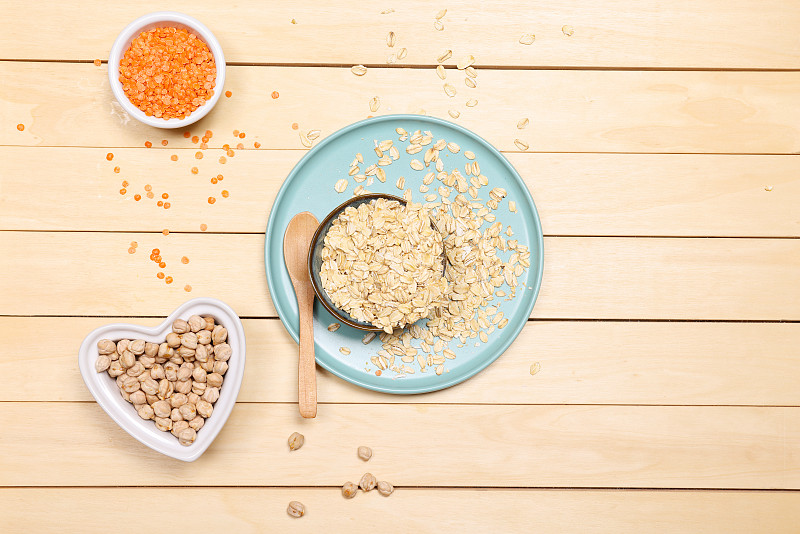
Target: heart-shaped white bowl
(106, 393)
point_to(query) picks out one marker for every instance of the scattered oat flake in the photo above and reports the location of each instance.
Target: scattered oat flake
(469, 82)
(535, 368)
(768, 188)
(438, 26)
(449, 90)
(567, 30)
(444, 56)
(522, 145)
(333, 327)
(358, 70)
(344, 350)
(465, 62)
(523, 123)
(391, 39)
(441, 72)
(527, 39)
(304, 140)
(402, 53)
(454, 113)
(340, 186)
(472, 102)
(374, 104)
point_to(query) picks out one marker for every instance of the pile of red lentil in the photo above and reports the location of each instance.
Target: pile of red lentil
(168, 73)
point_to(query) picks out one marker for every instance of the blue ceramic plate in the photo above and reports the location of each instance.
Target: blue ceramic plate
(309, 187)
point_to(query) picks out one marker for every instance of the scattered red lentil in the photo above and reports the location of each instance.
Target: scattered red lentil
(109, 156)
(131, 250)
(226, 146)
(195, 170)
(378, 372)
(187, 288)
(116, 170)
(203, 140)
(148, 187)
(168, 279)
(123, 191)
(209, 134)
(165, 196)
(275, 94)
(160, 203)
(184, 260)
(137, 197)
(165, 231)
(167, 205)
(160, 276)
(124, 183)
(149, 194)
(211, 200)
(230, 153)
(198, 155)
(134, 244)
(167, 72)
(256, 145)
(203, 146)
(240, 146)
(20, 127)
(187, 135)
(222, 160)
(241, 135)
(162, 264)
(174, 157)
(203, 227)
(148, 144)
(295, 126)
(236, 133)
(97, 62)
(195, 139)
(228, 94)
(225, 193)
(164, 142)
(219, 177)
(213, 180)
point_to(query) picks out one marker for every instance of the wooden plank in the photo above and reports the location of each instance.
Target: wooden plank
(407, 510)
(421, 445)
(581, 363)
(576, 194)
(68, 273)
(612, 33)
(67, 104)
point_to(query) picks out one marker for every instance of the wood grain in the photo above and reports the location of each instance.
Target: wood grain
(69, 273)
(421, 445)
(581, 363)
(611, 33)
(67, 104)
(244, 510)
(576, 194)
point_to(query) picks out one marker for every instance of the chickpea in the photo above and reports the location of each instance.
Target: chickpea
(188, 411)
(189, 339)
(127, 359)
(164, 350)
(106, 347)
(187, 436)
(157, 371)
(164, 424)
(296, 441)
(209, 323)
(222, 352)
(220, 367)
(136, 369)
(384, 488)
(296, 509)
(196, 323)
(199, 374)
(175, 415)
(365, 453)
(214, 380)
(102, 363)
(184, 373)
(151, 399)
(178, 400)
(171, 374)
(219, 334)
(115, 369)
(151, 349)
(122, 345)
(211, 395)
(137, 346)
(184, 387)
(173, 340)
(204, 408)
(147, 361)
(204, 337)
(198, 388)
(165, 389)
(162, 408)
(180, 326)
(192, 398)
(130, 384)
(149, 386)
(178, 426)
(197, 423)
(146, 412)
(138, 397)
(349, 490)
(368, 482)
(201, 353)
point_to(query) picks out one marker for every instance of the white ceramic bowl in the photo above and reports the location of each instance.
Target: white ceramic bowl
(161, 19)
(105, 391)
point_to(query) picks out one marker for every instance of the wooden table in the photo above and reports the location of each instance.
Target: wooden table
(663, 159)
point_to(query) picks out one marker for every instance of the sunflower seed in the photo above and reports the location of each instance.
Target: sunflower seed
(472, 102)
(527, 39)
(522, 145)
(359, 70)
(333, 327)
(449, 90)
(469, 82)
(440, 15)
(523, 123)
(567, 30)
(440, 72)
(374, 104)
(344, 350)
(391, 39)
(444, 56)
(465, 62)
(454, 113)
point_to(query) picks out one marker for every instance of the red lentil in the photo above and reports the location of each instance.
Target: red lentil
(160, 203)
(123, 191)
(124, 183)
(164, 142)
(241, 135)
(275, 94)
(187, 135)
(97, 62)
(225, 193)
(219, 177)
(187, 288)
(167, 205)
(116, 170)
(168, 279)
(148, 144)
(228, 94)
(222, 160)
(137, 197)
(131, 250)
(148, 187)
(378, 372)
(209, 134)
(165, 231)
(195, 139)
(213, 180)
(149, 194)
(20, 127)
(295, 126)
(256, 145)
(109, 156)
(211, 200)
(167, 72)
(195, 170)
(160, 276)
(198, 155)
(162, 264)
(203, 227)
(134, 244)
(165, 196)
(184, 260)
(236, 133)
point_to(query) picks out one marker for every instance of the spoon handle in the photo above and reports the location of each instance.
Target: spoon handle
(307, 378)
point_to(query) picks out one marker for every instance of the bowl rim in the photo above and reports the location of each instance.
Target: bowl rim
(106, 393)
(122, 42)
(333, 310)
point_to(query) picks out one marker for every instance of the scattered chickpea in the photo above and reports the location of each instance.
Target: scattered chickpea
(349, 490)
(384, 488)
(365, 453)
(295, 508)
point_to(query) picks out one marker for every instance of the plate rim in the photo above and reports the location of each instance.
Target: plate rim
(539, 237)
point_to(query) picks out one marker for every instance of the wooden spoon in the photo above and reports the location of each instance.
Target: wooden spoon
(296, 243)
